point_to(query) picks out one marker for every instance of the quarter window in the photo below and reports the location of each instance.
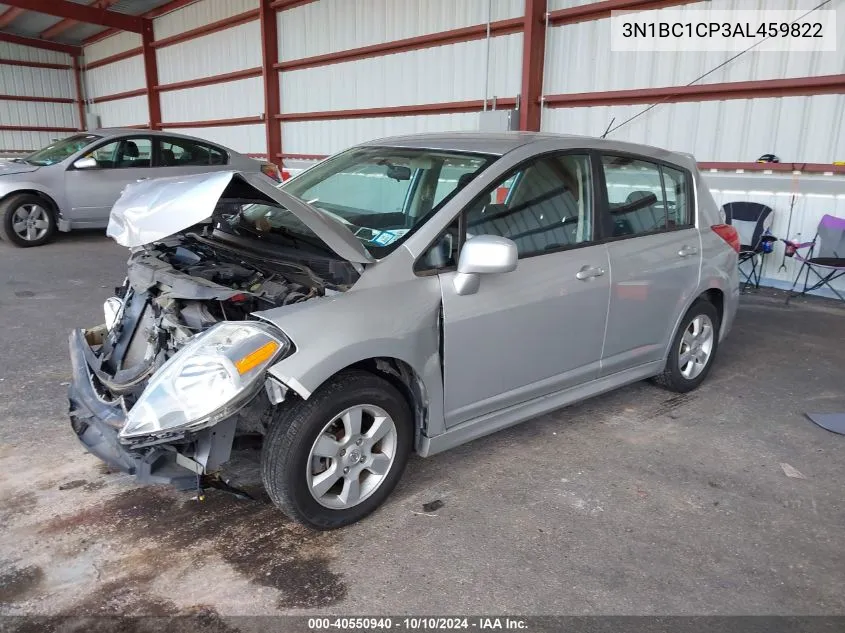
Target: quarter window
(677, 197)
(545, 206)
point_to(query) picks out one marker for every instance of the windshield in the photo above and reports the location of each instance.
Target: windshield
(61, 149)
(381, 194)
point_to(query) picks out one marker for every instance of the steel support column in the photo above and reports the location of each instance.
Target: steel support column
(151, 74)
(272, 102)
(533, 53)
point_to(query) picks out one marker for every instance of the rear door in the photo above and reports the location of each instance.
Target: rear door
(92, 192)
(539, 329)
(655, 256)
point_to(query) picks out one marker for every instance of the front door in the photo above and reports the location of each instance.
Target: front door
(92, 192)
(655, 258)
(540, 328)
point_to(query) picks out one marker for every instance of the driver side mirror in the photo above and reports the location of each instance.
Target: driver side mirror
(87, 162)
(483, 255)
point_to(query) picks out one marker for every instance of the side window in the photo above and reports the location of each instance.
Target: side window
(123, 154)
(178, 152)
(635, 196)
(544, 206)
(678, 191)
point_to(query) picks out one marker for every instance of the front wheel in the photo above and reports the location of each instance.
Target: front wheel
(26, 220)
(331, 460)
(693, 349)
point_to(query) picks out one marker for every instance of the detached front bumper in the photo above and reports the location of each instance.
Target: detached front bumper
(97, 423)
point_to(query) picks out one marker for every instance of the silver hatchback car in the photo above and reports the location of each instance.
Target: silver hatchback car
(408, 294)
(73, 183)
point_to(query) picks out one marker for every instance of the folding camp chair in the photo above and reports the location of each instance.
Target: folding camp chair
(826, 257)
(750, 219)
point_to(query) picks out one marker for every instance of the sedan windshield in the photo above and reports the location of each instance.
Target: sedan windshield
(381, 194)
(58, 151)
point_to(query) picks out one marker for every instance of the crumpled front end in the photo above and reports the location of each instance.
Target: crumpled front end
(97, 422)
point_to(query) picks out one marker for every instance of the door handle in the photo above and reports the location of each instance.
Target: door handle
(142, 179)
(686, 251)
(588, 272)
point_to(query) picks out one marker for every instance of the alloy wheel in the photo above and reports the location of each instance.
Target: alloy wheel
(30, 222)
(696, 347)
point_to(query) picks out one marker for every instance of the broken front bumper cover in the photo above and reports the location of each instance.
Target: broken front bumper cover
(97, 423)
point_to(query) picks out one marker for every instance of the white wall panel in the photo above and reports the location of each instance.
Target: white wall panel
(28, 141)
(122, 112)
(29, 54)
(579, 58)
(335, 25)
(235, 48)
(112, 45)
(247, 139)
(198, 14)
(127, 74)
(37, 114)
(554, 5)
(796, 129)
(433, 75)
(328, 137)
(233, 99)
(24, 81)
(814, 197)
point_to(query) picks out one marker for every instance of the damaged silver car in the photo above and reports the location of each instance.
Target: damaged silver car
(406, 295)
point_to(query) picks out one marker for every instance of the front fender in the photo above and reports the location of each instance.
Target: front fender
(399, 321)
(9, 188)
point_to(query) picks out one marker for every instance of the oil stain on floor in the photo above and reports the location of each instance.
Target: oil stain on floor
(157, 525)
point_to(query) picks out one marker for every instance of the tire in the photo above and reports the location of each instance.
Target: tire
(681, 377)
(35, 213)
(289, 470)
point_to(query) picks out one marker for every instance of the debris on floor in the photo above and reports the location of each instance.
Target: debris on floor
(791, 471)
(432, 506)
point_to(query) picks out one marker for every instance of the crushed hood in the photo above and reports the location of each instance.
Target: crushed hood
(8, 167)
(154, 209)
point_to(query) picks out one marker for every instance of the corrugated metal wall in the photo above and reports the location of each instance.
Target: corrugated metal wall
(26, 81)
(231, 49)
(326, 27)
(117, 77)
(800, 129)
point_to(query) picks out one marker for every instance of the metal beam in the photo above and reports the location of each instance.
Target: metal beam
(269, 58)
(8, 16)
(533, 53)
(31, 41)
(81, 13)
(63, 25)
(151, 74)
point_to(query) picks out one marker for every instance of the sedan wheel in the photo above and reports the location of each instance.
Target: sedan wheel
(696, 347)
(26, 220)
(332, 459)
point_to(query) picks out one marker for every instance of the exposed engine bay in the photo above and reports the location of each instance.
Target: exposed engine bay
(179, 287)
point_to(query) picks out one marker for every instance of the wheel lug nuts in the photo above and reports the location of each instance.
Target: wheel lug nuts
(363, 459)
(346, 470)
(359, 441)
(342, 452)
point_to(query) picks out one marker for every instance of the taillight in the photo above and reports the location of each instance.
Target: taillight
(727, 233)
(285, 174)
(272, 171)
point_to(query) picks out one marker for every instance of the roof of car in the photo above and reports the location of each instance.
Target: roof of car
(499, 143)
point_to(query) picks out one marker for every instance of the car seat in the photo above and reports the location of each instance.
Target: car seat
(130, 153)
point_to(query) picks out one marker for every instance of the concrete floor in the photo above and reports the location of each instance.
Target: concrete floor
(638, 502)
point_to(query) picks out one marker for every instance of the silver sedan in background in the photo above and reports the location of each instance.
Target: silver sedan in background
(73, 183)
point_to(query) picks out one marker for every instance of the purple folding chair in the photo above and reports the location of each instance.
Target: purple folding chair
(826, 257)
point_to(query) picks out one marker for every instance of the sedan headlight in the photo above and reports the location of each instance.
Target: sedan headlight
(207, 380)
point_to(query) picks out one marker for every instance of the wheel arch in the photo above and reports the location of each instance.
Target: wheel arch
(712, 293)
(46, 197)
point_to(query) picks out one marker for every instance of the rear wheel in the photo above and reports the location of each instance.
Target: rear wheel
(333, 459)
(693, 349)
(26, 220)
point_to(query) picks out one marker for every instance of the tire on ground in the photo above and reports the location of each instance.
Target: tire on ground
(294, 428)
(671, 378)
(7, 211)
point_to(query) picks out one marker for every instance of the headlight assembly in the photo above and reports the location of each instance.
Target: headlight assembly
(207, 380)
